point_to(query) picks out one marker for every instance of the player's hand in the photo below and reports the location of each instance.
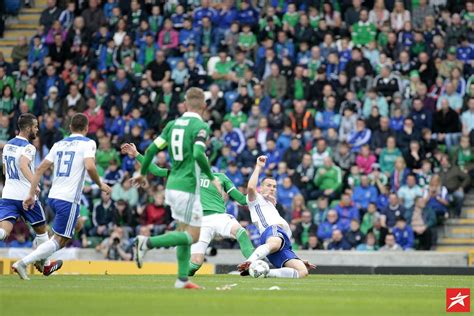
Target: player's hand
(29, 202)
(37, 191)
(129, 149)
(105, 188)
(261, 161)
(309, 265)
(217, 184)
(139, 181)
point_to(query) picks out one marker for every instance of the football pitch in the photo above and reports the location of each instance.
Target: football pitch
(154, 295)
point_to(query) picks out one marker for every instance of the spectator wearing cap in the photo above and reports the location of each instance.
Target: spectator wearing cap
(451, 62)
(403, 233)
(51, 103)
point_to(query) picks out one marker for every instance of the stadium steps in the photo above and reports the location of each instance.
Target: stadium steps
(25, 24)
(458, 233)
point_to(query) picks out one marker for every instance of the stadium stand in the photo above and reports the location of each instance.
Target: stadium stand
(365, 110)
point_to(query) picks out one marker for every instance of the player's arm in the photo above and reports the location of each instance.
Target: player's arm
(89, 164)
(233, 193)
(150, 152)
(253, 181)
(199, 154)
(30, 200)
(131, 150)
(25, 160)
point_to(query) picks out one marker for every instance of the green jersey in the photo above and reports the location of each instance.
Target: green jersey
(211, 200)
(181, 135)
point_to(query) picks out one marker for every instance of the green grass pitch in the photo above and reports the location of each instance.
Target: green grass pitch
(154, 295)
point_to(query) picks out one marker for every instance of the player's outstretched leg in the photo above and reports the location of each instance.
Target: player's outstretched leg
(171, 239)
(41, 238)
(43, 251)
(246, 246)
(293, 269)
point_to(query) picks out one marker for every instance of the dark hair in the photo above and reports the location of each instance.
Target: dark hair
(79, 122)
(268, 178)
(26, 120)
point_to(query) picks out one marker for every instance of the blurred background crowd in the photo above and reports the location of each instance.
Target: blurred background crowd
(365, 109)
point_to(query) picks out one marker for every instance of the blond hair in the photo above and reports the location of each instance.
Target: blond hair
(195, 98)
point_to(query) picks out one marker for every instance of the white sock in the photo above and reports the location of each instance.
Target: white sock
(40, 239)
(3, 234)
(259, 253)
(42, 252)
(288, 273)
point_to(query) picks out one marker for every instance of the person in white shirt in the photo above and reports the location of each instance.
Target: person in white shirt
(71, 158)
(18, 166)
(274, 231)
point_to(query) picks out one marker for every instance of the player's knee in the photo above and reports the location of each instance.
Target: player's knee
(274, 244)
(302, 272)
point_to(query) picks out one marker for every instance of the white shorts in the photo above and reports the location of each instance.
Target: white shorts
(185, 207)
(215, 225)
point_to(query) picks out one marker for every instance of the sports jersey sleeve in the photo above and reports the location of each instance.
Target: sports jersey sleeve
(199, 151)
(51, 154)
(29, 152)
(154, 169)
(162, 141)
(89, 149)
(252, 203)
(232, 191)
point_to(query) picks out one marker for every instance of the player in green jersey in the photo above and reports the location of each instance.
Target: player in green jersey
(186, 138)
(215, 221)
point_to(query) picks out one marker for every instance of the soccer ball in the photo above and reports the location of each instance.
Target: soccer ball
(259, 269)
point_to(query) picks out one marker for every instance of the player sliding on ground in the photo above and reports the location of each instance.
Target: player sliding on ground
(215, 221)
(18, 167)
(275, 232)
(186, 138)
(71, 157)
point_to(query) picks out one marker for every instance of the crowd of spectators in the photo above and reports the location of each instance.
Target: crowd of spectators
(365, 109)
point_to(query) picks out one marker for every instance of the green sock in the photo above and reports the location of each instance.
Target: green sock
(170, 239)
(193, 268)
(183, 253)
(246, 246)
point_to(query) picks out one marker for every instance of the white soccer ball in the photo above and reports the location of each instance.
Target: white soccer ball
(259, 269)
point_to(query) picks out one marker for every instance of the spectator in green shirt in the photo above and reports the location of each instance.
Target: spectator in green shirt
(106, 153)
(222, 74)
(247, 40)
(291, 17)
(236, 116)
(388, 156)
(363, 32)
